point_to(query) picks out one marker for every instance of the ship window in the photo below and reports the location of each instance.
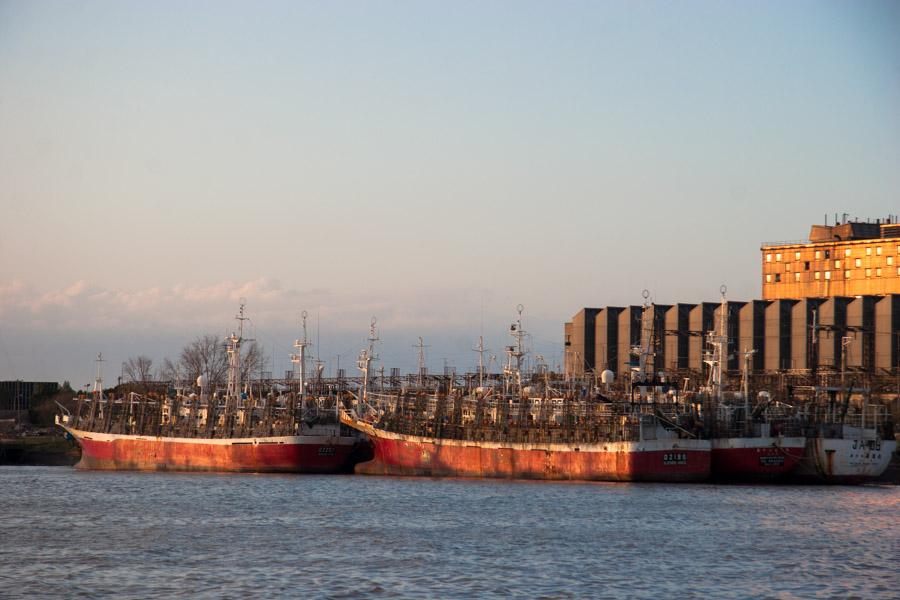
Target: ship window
(796, 276)
(768, 278)
(797, 254)
(890, 260)
(777, 277)
(846, 274)
(768, 258)
(778, 257)
(878, 250)
(806, 266)
(837, 264)
(858, 263)
(827, 274)
(847, 252)
(818, 254)
(868, 272)
(869, 251)
(878, 272)
(817, 275)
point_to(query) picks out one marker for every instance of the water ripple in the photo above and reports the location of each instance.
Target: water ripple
(66, 533)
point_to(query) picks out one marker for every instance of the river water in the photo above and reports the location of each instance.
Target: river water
(67, 533)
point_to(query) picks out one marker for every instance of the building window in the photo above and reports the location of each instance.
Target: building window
(828, 254)
(898, 271)
(768, 278)
(868, 272)
(837, 264)
(827, 274)
(869, 251)
(817, 275)
(847, 252)
(768, 258)
(797, 276)
(797, 254)
(787, 267)
(878, 272)
(818, 254)
(806, 266)
(858, 263)
(846, 274)
(778, 277)
(878, 250)
(778, 257)
(890, 260)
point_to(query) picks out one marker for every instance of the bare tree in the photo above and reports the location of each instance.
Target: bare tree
(252, 361)
(168, 371)
(138, 368)
(206, 356)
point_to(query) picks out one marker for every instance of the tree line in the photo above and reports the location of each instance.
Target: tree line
(206, 355)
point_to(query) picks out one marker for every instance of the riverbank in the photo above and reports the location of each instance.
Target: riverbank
(39, 450)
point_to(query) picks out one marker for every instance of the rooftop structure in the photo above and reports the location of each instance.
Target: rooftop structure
(850, 258)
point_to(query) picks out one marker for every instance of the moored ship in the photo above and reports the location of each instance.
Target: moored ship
(846, 443)
(514, 433)
(760, 442)
(285, 432)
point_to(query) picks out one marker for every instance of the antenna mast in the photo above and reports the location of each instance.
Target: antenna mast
(422, 368)
(98, 382)
(480, 351)
(300, 359)
(365, 359)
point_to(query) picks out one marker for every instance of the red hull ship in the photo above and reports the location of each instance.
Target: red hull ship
(288, 454)
(668, 460)
(755, 459)
(281, 432)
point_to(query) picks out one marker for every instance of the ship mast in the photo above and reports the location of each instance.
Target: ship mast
(234, 356)
(299, 360)
(718, 341)
(745, 388)
(366, 357)
(421, 348)
(98, 382)
(645, 351)
(516, 352)
(480, 351)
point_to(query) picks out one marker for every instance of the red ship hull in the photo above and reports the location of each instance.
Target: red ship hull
(286, 454)
(755, 459)
(652, 460)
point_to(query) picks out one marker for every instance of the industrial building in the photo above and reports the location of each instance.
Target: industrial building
(829, 304)
(17, 395)
(851, 258)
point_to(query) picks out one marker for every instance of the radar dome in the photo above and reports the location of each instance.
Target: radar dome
(607, 376)
(201, 381)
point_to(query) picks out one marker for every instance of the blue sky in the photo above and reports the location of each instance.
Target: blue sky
(416, 161)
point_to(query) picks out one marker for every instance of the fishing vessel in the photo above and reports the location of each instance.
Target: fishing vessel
(297, 432)
(524, 430)
(762, 442)
(847, 442)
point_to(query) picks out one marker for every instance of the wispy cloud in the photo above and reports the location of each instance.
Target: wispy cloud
(83, 305)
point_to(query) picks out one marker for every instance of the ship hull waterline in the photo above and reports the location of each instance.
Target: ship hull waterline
(844, 461)
(669, 460)
(755, 459)
(280, 454)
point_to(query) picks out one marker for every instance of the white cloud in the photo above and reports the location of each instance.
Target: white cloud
(83, 305)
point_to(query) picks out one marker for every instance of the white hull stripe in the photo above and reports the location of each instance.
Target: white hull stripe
(642, 446)
(298, 440)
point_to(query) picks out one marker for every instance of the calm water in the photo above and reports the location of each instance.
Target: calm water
(82, 534)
